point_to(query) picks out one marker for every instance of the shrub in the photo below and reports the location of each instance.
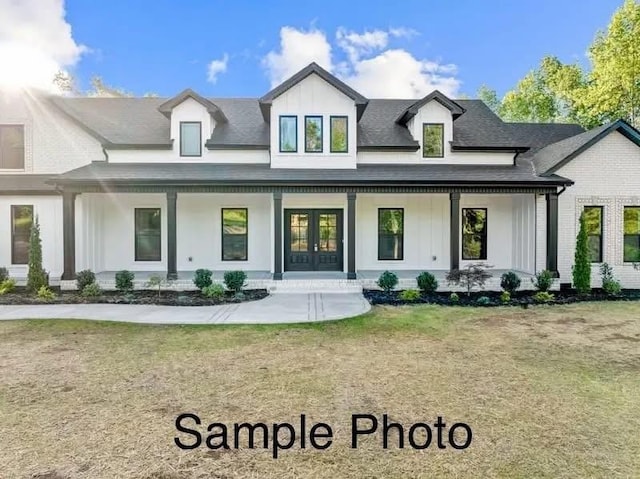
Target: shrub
(84, 279)
(510, 282)
(213, 291)
(581, 265)
(124, 281)
(7, 286)
(454, 298)
(157, 281)
(505, 297)
(427, 282)
(410, 295)
(202, 278)
(45, 293)
(483, 301)
(387, 281)
(4, 274)
(475, 274)
(235, 280)
(239, 296)
(543, 280)
(610, 285)
(37, 276)
(91, 290)
(543, 297)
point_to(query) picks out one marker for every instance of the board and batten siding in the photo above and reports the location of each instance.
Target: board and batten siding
(606, 174)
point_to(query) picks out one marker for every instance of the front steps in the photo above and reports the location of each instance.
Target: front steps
(306, 286)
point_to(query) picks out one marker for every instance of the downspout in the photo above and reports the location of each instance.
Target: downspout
(106, 155)
(515, 157)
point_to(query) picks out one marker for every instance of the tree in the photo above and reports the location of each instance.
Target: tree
(490, 98)
(37, 276)
(581, 264)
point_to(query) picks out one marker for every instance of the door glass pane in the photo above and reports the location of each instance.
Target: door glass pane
(328, 233)
(299, 230)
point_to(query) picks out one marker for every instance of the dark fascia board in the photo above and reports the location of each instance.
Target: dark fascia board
(137, 146)
(619, 125)
(455, 109)
(514, 149)
(266, 100)
(214, 110)
(234, 146)
(410, 148)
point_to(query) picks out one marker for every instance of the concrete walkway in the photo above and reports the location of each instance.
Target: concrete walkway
(275, 309)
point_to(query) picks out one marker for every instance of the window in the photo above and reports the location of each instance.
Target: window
(21, 221)
(631, 234)
(11, 147)
(190, 138)
(339, 134)
(234, 234)
(474, 233)
(313, 134)
(390, 233)
(147, 232)
(288, 134)
(432, 140)
(593, 220)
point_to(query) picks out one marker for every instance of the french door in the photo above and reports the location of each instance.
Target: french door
(313, 240)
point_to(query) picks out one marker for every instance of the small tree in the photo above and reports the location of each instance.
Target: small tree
(582, 265)
(475, 274)
(37, 276)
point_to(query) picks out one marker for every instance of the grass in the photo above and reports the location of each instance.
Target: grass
(548, 392)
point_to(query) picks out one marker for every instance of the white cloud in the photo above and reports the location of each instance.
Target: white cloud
(298, 48)
(216, 67)
(35, 42)
(371, 67)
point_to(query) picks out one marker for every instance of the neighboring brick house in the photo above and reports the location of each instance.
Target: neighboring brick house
(312, 181)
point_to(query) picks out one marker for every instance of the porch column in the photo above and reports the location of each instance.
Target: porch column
(351, 236)
(454, 200)
(69, 235)
(552, 233)
(277, 235)
(172, 264)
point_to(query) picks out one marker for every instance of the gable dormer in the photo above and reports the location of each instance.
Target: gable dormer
(430, 121)
(313, 119)
(193, 119)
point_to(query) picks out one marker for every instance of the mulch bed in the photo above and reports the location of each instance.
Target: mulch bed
(521, 298)
(167, 298)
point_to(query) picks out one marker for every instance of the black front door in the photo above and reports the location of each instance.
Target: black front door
(313, 240)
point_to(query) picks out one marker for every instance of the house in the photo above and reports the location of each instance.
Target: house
(310, 182)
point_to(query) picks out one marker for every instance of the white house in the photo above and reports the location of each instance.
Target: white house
(312, 181)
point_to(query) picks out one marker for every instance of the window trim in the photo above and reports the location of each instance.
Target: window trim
(12, 209)
(424, 155)
(295, 150)
(401, 258)
(601, 208)
(22, 126)
(486, 233)
(331, 150)
(135, 235)
(306, 117)
(624, 261)
(222, 234)
(199, 123)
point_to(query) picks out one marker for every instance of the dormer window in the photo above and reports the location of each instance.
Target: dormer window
(432, 140)
(288, 134)
(190, 138)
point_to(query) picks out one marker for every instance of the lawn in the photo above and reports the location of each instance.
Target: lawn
(548, 392)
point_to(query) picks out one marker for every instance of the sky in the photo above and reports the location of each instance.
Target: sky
(239, 48)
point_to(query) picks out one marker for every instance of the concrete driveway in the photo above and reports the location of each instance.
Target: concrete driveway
(275, 309)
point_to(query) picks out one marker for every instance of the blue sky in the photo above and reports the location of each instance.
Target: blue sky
(165, 46)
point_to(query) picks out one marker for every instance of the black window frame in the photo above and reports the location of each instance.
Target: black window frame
(14, 236)
(199, 123)
(22, 129)
(246, 234)
(280, 118)
(307, 117)
(136, 234)
(401, 235)
(624, 235)
(338, 117)
(485, 244)
(424, 150)
(601, 235)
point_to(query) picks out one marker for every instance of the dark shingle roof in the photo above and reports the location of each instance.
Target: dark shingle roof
(455, 108)
(27, 183)
(263, 174)
(167, 107)
(539, 135)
